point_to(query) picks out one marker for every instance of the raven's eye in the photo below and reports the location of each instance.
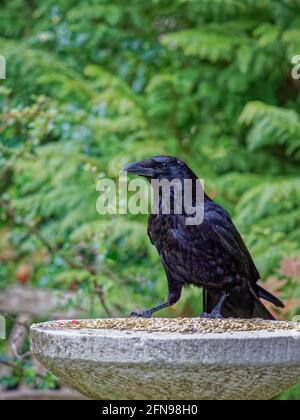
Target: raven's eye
(164, 165)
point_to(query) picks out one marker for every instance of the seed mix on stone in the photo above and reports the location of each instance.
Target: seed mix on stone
(178, 325)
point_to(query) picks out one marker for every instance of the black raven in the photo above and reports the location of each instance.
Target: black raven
(211, 255)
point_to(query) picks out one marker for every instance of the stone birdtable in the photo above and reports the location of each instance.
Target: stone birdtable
(182, 358)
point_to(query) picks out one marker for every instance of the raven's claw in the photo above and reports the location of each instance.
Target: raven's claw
(213, 315)
(216, 312)
(140, 314)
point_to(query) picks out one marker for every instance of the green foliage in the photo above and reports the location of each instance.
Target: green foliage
(92, 85)
(271, 126)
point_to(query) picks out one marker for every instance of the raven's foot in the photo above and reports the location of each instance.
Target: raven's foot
(213, 315)
(141, 314)
(216, 312)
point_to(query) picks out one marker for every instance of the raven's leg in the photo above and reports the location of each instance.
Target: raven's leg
(173, 297)
(216, 312)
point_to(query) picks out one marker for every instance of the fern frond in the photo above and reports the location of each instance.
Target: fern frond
(271, 126)
(273, 197)
(291, 39)
(84, 12)
(222, 9)
(208, 44)
(128, 235)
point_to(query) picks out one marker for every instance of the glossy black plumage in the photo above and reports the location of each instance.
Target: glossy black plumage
(211, 255)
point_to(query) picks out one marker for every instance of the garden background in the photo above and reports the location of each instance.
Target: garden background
(92, 85)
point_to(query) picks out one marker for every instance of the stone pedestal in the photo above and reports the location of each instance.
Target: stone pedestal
(128, 364)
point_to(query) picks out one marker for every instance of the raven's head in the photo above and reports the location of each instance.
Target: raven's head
(161, 167)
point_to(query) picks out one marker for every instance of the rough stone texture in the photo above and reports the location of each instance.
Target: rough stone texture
(111, 364)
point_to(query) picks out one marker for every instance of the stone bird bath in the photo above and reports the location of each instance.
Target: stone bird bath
(171, 358)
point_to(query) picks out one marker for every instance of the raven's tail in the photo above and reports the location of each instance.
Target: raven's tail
(270, 298)
(260, 311)
(252, 307)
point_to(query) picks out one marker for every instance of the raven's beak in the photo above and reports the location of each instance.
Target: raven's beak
(139, 168)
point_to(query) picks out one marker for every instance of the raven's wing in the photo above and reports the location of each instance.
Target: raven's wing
(188, 250)
(224, 231)
(183, 247)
